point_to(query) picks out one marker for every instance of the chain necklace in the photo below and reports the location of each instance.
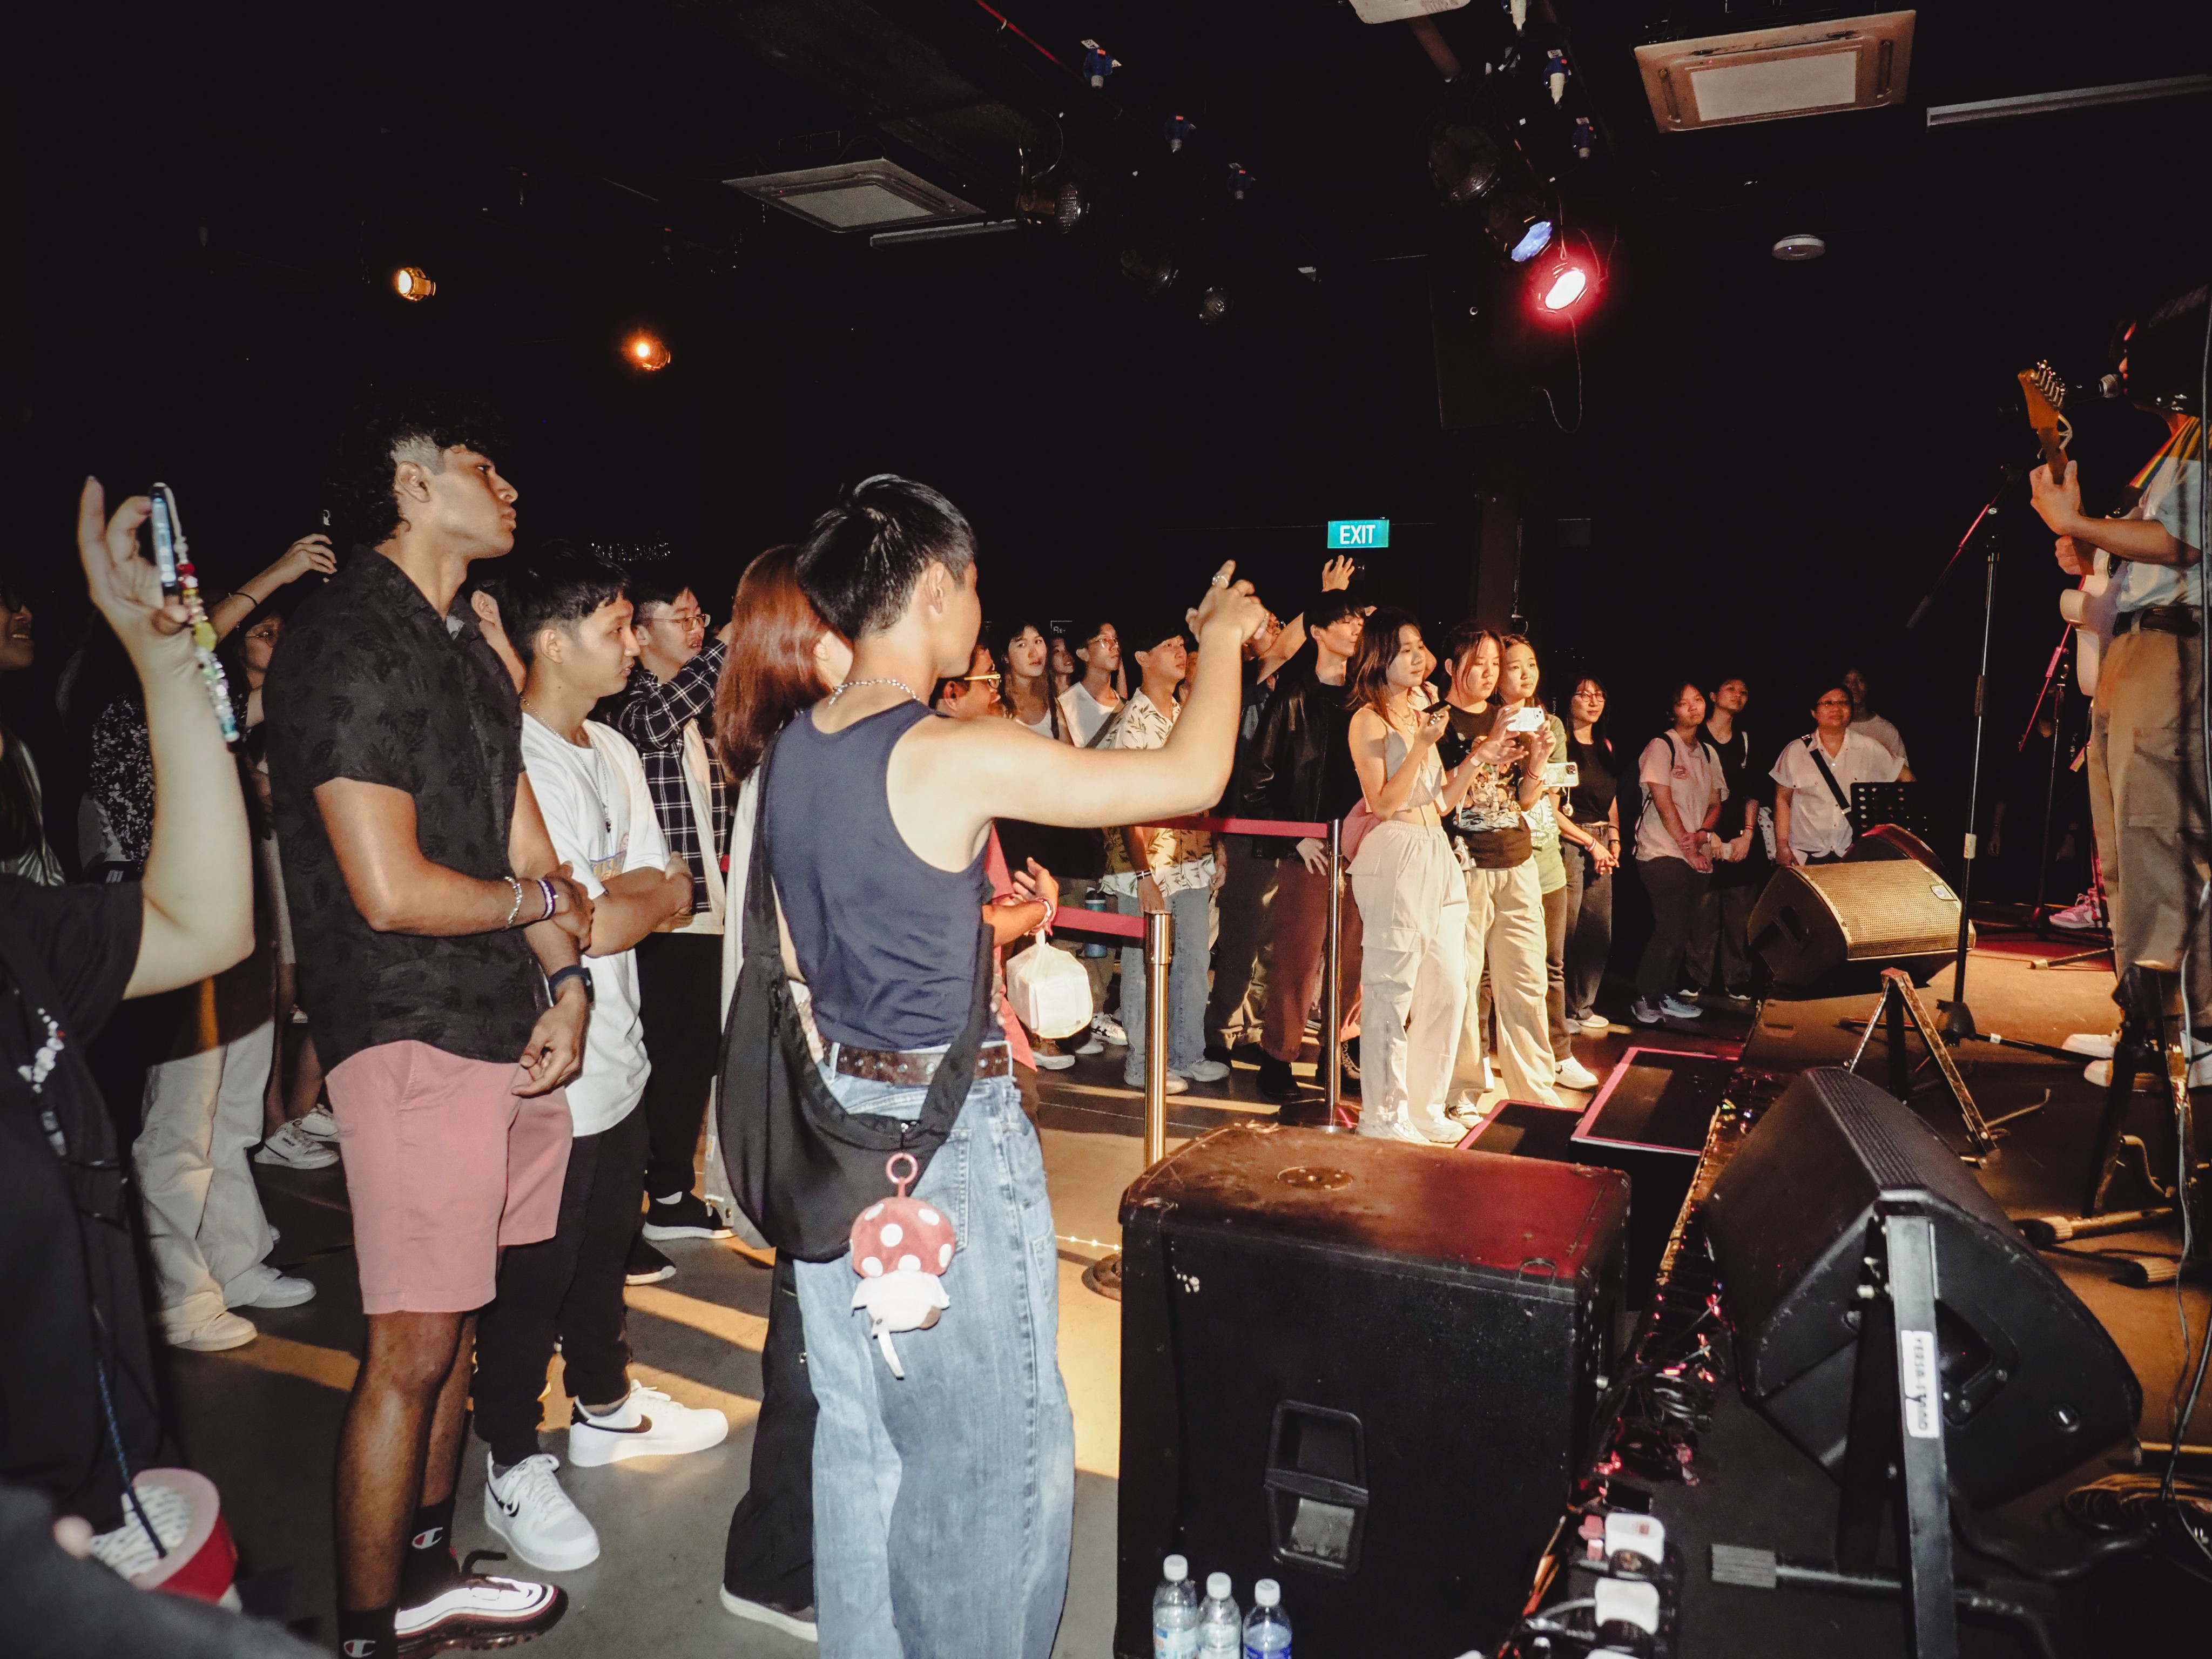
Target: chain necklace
(850, 685)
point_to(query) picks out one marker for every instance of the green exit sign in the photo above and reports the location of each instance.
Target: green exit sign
(1361, 533)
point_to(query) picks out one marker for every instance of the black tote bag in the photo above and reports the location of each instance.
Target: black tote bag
(800, 1165)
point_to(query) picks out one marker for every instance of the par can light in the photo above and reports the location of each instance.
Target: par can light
(410, 283)
(1561, 285)
(647, 351)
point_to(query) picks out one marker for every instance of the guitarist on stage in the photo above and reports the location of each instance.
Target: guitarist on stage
(2146, 736)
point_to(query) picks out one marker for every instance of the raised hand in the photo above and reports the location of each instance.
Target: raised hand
(125, 589)
(1337, 573)
(309, 553)
(1227, 601)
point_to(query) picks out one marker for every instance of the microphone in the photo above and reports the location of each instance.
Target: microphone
(2107, 387)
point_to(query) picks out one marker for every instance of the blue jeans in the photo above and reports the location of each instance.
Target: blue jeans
(1186, 988)
(942, 1504)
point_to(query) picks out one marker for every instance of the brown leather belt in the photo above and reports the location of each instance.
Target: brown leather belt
(911, 1070)
(2180, 619)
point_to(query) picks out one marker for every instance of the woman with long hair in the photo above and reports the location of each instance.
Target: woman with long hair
(1591, 825)
(1025, 694)
(782, 659)
(1407, 881)
(1683, 790)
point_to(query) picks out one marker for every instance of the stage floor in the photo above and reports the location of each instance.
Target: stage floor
(262, 1420)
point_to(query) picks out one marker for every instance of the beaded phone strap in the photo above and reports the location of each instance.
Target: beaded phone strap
(211, 674)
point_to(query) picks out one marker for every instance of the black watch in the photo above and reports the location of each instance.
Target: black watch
(575, 971)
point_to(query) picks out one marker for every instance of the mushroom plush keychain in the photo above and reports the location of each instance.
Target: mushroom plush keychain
(900, 1246)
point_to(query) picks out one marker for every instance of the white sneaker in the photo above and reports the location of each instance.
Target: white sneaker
(1573, 1074)
(483, 1612)
(1177, 1084)
(649, 1423)
(1205, 1071)
(293, 1148)
(1594, 1021)
(1675, 1008)
(1053, 1060)
(1643, 1013)
(1090, 1045)
(2098, 1045)
(1386, 1126)
(226, 1330)
(2099, 1072)
(1106, 1029)
(799, 1623)
(1435, 1126)
(279, 1291)
(318, 1122)
(526, 1507)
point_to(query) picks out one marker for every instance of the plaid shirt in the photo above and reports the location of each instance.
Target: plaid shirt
(653, 716)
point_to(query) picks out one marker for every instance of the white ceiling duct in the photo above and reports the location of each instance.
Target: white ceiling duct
(1767, 74)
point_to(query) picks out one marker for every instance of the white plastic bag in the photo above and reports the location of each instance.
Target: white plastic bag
(1049, 991)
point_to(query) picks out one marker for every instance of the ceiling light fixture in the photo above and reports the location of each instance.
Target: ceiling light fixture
(410, 283)
(1562, 285)
(1799, 246)
(853, 196)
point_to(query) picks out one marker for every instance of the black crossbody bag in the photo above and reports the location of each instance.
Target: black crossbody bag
(1813, 748)
(800, 1165)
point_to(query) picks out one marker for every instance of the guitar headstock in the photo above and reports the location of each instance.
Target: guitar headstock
(2046, 395)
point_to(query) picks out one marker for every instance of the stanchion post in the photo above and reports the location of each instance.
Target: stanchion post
(1333, 1004)
(1159, 949)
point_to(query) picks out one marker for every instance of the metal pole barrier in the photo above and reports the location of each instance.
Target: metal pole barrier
(1159, 949)
(1333, 1002)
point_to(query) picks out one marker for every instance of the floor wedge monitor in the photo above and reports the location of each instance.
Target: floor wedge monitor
(1827, 929)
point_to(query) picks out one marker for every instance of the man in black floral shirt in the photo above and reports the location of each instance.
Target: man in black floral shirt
(433, 928)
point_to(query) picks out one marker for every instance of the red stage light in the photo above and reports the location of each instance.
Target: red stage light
(1562, 286)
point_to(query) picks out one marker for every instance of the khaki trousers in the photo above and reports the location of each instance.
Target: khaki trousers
(1412, 977)
(1505, 929)
(2147, 798)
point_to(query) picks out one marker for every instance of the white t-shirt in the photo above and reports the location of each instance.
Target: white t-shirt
(1817, 824)
(599, 813)
(2172, 486)
(1082, 713)
(1878, 728)
(1690, 775)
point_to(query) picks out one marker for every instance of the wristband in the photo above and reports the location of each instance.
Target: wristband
(1045, 927)
(515, 909)
(562, 975)
(552, 899)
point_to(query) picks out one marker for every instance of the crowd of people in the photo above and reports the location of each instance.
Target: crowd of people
(474, 904)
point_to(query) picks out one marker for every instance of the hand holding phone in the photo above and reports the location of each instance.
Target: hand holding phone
(1530, 718)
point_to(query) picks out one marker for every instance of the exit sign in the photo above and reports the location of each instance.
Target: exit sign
(1359, 532)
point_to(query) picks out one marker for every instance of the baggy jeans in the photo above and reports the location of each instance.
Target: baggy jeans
(1412, 970)
(943, 1502)
(1505, 928)
(1187, 969)
(204, 1222)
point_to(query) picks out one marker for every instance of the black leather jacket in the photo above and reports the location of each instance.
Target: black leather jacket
(1295, 770)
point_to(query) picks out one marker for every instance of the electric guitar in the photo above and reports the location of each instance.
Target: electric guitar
(2093, 607)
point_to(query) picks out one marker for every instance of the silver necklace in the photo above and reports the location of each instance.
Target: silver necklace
(850, 685)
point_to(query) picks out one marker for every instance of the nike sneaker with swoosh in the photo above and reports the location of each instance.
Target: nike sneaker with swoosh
(526, 1507)
(479, 1612)
(648, 1424)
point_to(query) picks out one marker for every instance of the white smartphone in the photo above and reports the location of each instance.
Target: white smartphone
(1528, 720)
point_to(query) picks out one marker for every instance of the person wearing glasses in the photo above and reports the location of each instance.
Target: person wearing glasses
(971, 696)
(668, 714)
(1813, 781)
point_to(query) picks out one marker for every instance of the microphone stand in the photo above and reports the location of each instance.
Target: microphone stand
(1956, 1019)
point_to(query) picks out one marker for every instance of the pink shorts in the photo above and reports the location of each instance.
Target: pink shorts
(444, 1165)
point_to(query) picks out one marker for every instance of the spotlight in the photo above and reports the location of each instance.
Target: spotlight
(1239, 181)
(1463, 162)
(1555, 73)
(647, 351)
(410, 283)
(1152, 269)
(1176, 129)
(1214, 307)
(1585, 137)
(1561, 285)
(1800, 246)
(1518, 227)
(1098, 63)
(1042, 206)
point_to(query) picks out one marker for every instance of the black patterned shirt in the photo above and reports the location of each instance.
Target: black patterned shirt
(370, 683)
(653, 717)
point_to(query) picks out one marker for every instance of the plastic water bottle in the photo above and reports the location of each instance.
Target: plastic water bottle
(1174, 1613)
(1220, 1625)
(1095, 950)
(1267, 1627)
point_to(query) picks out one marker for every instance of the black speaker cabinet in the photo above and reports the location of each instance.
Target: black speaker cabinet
(1827, 929)
(1361, 1368)
(2032, 1383)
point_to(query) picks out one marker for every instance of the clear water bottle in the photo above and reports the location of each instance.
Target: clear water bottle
(1174, 1613)
(1267, 1627)
(1220, 1625)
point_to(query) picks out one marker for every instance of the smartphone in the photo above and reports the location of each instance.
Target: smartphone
(1528, 720)
(168, 537)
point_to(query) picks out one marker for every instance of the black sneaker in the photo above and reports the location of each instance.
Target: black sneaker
(684, 1216)
(1275, 1079)
(647, 1266)
(479, 1612)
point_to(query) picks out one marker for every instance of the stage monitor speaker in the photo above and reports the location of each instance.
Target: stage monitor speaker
(2032, 1384)
(1827, 929)
(1361, 1368)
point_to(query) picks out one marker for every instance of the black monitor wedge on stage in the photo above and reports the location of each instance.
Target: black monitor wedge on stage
(1830, 929)
(2032, 1384)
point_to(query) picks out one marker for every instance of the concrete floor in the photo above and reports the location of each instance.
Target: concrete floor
(262, 1420)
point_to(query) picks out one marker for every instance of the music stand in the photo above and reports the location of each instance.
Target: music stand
(1903, 805)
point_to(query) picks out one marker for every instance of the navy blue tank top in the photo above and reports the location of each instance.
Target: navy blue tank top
(887, 941)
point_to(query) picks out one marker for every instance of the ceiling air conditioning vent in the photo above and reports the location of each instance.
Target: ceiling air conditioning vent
(1765, 74)
(857, 195)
